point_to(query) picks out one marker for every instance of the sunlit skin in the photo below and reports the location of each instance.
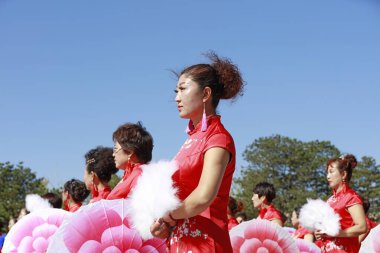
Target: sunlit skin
(335, 179)
(91, 179)
(295, 222)
(120, 156)
(261, 202)
(191, 101)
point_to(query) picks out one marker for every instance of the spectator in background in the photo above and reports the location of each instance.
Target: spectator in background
(232, 209)
(301, 232)
(74, 193)
(2, 235)
(100, 166)
(54, 199)
(263, 195)
(241, 216)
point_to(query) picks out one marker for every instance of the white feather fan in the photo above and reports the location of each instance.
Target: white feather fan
(35, 202)
(153, 196)
(318, 215)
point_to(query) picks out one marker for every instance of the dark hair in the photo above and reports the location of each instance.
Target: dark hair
(366, 205)
(136, 138)
(243, 215)
(265, 189)
(54, 199)
(222, 76)
(77, 190)
(297, 211)
(232, 204)
(101, 162)
(344, 163)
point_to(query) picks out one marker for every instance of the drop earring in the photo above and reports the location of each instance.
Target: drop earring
(204, 119)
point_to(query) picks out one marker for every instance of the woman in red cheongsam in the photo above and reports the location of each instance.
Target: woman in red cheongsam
(206, 160)
(133, 148)
(347, 203)
(263, 195)
(301, 232)
(74, 193)
(100, 166)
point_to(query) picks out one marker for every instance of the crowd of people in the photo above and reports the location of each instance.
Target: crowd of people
(206, 164)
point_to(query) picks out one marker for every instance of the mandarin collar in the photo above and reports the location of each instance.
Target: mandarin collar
(191, 129)
(344, 189)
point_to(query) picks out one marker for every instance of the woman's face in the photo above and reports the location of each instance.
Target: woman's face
(257, 201)
(189, 98)
(294, 219)
(120, 156)
(88, 179)
(334, 177)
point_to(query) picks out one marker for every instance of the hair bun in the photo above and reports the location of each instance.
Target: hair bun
(351, 159)
(229, 76)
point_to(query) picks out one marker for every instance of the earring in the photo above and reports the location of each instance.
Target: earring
(204, 119)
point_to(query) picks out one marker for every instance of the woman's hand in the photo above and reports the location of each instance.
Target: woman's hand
(160, 229)
(320, 235)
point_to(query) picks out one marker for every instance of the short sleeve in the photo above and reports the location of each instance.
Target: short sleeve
(354, 199)
(220, 140)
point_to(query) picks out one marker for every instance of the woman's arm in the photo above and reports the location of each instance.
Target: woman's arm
(309, 237)
(277, 221)
(359, 227)
(215, 163)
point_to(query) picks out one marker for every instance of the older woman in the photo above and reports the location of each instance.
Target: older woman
(347, 203)
(133, 148)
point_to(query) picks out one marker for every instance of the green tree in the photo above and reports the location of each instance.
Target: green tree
(295, 168)
(15, 183)
(366, 181)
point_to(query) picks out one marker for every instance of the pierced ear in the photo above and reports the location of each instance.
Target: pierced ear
(206, 94)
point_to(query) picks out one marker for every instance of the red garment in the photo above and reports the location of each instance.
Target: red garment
(127, 183)
(208, 231)
(340, 202)
(301, 232)
(102, 194)
(270, 213)
(370, 223)
(232, 222)
(74, 207)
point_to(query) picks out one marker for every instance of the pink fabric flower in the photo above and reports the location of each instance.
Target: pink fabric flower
(261, 236)
(33, 232)
(103, 227)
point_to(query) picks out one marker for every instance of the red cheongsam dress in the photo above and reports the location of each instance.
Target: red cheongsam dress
(232, 222)
(270, 213)
(301, 232)
(340, 202)
(102, 194)
(208, 231)
(129, 180)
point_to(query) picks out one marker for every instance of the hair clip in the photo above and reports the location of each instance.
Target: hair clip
(89, 161)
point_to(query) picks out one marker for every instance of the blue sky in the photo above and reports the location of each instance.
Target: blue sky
(71, 72)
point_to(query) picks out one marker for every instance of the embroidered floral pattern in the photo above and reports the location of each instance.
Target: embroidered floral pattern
(187, 228)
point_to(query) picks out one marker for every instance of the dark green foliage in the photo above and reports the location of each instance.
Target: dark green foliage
(15, 183)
